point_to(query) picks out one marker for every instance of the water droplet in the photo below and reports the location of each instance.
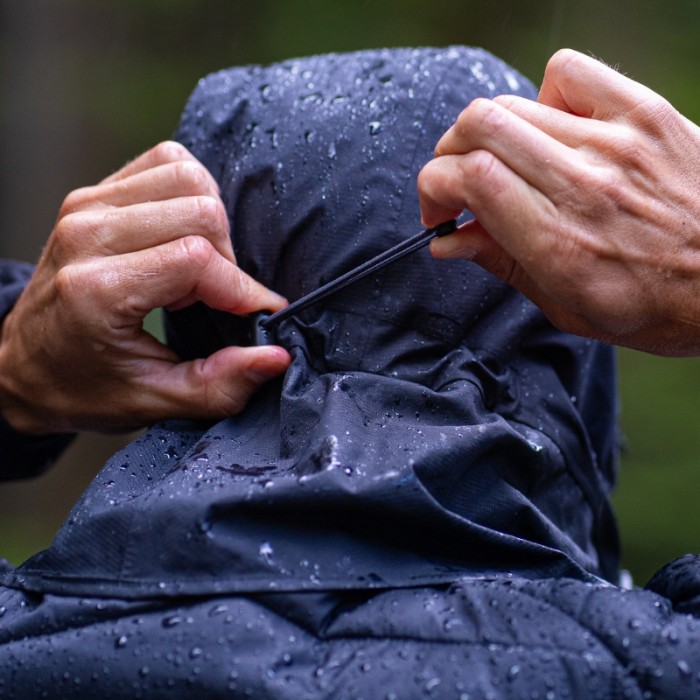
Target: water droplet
(684, 668)
(432, 684)
(266, 553)
(218, 610)
(513, 671)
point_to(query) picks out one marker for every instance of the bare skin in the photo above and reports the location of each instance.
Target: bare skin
(73, 351)
(587, 201)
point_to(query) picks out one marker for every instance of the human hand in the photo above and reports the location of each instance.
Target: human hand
(73, 351)
(587, 201)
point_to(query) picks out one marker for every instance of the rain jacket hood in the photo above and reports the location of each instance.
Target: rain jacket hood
(432, 424)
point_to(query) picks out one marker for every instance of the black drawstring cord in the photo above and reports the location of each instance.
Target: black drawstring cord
(367, 268)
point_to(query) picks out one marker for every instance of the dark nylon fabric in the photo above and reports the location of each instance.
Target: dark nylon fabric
(500, 639)
(420, 507)
(432, 423)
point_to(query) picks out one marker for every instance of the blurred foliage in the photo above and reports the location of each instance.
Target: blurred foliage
(86, 86)
(656, 496)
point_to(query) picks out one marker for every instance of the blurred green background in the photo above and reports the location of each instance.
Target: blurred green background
(87, 85)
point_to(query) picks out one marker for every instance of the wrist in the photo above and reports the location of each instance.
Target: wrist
(9, 400)
(17, 408)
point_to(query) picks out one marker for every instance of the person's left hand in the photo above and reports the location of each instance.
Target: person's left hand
(73, 352)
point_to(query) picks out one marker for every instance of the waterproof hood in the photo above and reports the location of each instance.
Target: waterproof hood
(432, 424)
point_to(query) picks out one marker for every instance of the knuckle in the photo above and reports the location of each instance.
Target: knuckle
(614, 191)
(605, 186)
(506, 101)
(170, 152)
(195, 250)
(210, 214)
(484, 166)
(70, 233)
(626, 143)
(485, 113)
(191, 177)
(562, 62)
(654, 113)
(79, 281)
(75, 201)
(67, 282)
(428, 177)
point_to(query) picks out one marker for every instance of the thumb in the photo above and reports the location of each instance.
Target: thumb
(217, 386)
(587, 87)
(471, 241)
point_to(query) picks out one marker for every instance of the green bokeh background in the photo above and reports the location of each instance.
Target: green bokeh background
(87, 85)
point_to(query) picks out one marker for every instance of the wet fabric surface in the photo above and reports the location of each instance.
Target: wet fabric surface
(418, 508)
(505, 639)
(432, 423)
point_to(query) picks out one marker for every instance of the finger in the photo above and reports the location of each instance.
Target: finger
(165, 152)
(486, 125)
(472, 242)
(141, 226)
(442, 195)
(513, 212)
(172, 275)
(585, 86)
(162, 182)
(218, 386)
(569, 129)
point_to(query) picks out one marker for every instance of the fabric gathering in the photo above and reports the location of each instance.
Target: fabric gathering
(419, 508)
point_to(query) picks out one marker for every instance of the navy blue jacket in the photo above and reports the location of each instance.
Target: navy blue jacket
(420, 507)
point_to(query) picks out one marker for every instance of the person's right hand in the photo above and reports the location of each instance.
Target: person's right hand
(587, 201)
(73, 351)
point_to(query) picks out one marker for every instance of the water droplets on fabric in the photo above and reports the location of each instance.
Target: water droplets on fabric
(266, 553)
